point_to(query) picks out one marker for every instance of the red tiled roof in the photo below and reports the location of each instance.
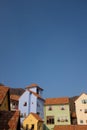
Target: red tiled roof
(70, 127)
(9, 120)
(51, 101)
(3, 92)
(14, 97)
(37, 116)
(33, 86)
(37, 95)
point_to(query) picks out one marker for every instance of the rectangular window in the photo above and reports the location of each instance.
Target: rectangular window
(62, 107)
(25, 104)
(50, 119)
(81, 121)
(32, 127)
(62, 119)
(58, 119)
(50, 108)
(85, 111)
(84, 101)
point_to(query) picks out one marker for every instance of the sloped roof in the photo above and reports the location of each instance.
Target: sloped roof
(80, 96)
(54, 101)
(37, 95)
(9, 120)
(33, 86)
(36, 116)
(14, 97)
(3, 92)
(70, 127)
(17, 91)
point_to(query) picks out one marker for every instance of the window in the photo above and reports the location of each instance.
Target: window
(62, 119)
(21, 115)
(85, 111)
(38, 113)
(26, 126)
(24, 114)
(62, 107)
(86, 121)
(37, 91)
(32, 127)
(80, 109)
(50, 119)
(50, 108)
(84, 101)
(66, 120)
(25, 104)
(58, 119)
(81, 121)
(38, 104)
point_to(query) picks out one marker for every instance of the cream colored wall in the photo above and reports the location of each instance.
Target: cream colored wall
(80, 107)
(31, 120)
(4, 105)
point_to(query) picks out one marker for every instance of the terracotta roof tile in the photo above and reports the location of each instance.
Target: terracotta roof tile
(37, 116)
(3, 92)
(33, 86)
(14, 97)
(70, 127)
(9, 120)
(51, 101)
(37, 95)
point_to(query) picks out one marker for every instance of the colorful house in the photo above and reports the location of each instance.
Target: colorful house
(14, 101)
(4, 98)
(56, 112)
(81, 109)
(31, 101)
(33, 122)
(9, 120)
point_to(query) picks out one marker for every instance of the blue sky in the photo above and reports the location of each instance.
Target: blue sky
(44, 42)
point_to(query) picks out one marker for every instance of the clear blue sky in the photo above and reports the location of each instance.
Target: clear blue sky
(44, 42)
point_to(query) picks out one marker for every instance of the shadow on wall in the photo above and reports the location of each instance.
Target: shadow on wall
(46, 128)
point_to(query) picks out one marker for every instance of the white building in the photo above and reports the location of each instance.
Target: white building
(81, 109)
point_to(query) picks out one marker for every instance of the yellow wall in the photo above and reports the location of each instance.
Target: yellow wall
(4, 105)
(30, 120)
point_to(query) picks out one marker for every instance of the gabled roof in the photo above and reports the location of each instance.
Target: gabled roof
(54, 101)
(35, 94)
(33, 86)
(80, 96)
(14, 97)
(9, 120)
(36, 116)
(3, 92)
(70, 127)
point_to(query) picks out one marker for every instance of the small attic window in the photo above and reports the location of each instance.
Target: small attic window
(84, 101)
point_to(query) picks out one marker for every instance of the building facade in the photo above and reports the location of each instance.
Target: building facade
(4, 98)
(33, 122)
(56, 112)
(31, 101)
(81, 109)
(14, 102)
